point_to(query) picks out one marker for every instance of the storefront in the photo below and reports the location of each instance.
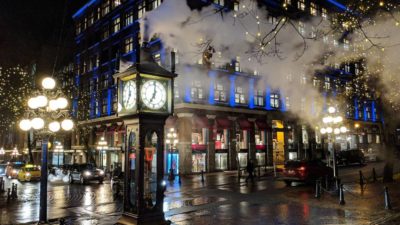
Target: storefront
(199, 144)
(278, 141)
(221, 149)
(261, 142)
(243, 136)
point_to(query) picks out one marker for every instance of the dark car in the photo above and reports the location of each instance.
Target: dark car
(84, 173)
(305, 171)
(347, 157)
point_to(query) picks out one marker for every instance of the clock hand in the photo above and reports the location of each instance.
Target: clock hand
(154, 92)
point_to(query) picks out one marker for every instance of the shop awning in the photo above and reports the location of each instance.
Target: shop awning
(100, 130)
(223, 123)
(121, 128)
(245, 124)
(199, 122)
(112, 128)
(171, 122)
(262, 125)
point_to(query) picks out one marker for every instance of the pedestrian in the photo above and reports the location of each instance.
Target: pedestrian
(250, 171)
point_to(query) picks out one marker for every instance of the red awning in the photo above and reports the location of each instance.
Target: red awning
(223, 123)
(171, 122)
(121, 128)
(100, 130)
(112, 128)
(245, 124)
(262, 125)
(199, 122)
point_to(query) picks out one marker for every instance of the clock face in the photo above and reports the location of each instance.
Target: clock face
(153, 94)
(129, 94)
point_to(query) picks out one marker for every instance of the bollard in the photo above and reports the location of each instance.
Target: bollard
(317, 189)
(374, 175)
(341, 195)
(361, 179)
(388, 205)
(202, 176)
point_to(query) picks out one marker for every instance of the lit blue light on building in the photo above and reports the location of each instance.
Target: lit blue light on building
(355, 109)
(109, 101)
(365, 112)
(268, 99)
(188, 95)
(251, 93)
(283, 102)
(232, 79)
(212, 75)
(373, 111)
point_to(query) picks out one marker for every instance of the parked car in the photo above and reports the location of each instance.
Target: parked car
(13, 168)
(305, 171)
(29, 173)
(84, 173)
(371, 154)
(347, 157)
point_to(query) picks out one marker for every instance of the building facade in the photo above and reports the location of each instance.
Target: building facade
(223, 118)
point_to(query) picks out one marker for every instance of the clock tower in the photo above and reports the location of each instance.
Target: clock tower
(145, 100)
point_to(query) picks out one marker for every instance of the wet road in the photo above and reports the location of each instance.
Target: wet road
(220, 199)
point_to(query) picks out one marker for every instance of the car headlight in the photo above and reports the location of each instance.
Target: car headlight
(14, 171)
(87, 173)
(28, 174)
(101, 172)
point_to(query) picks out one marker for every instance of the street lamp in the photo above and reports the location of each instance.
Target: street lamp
(102, 146)
(59, 149)
(2, 153)
(332, 126)
(14, 153)
(171, 140)
(47, 115)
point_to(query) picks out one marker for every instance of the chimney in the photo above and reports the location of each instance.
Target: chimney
(173, 61)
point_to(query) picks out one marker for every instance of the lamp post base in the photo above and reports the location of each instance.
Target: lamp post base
(149, 219)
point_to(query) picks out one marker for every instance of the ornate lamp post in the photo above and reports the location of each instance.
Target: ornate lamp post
(171, 140)
(47, 114)
(59, 149)
(102, 146)
(333, 126)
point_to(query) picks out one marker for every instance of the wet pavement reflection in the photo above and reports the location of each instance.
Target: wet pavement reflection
(219, 199)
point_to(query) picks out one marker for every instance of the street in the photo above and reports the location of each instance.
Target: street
(219, 199)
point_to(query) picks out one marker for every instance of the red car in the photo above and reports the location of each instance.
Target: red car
(305, 171)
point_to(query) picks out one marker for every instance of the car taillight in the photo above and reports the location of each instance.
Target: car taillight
(302, 168)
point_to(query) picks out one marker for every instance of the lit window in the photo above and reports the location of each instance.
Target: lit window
(104, 106)
(91, 19)
(303, 79)
(301, 28)
(313, 9)
(220, 2)
(301, 5)
(116, 3)
(105, 7)
(219, 93)
(347, 68)
(287, 102)
(78, 28)
(239, 96)
(156, 3)
(128, 45)
(105, 32)
(141, 9)
(259, 98)
(236, 6)
(346, 44)
(327, 84)
(324, 13)
(274, 100)
(237, 64)
(316, 82)
(116, 24)
(157, 58)
(129, 18)
(287, 2)
(197, 91)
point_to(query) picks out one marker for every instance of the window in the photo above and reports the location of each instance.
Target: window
(116, 25)
(348, 88)
(313, 9)
(327, 84)
(157, 58)
(78, 28)
(324, 13)
(287, 2)
(114, 101)
(316, 82)
(347, 68)
(356, 69)
(346, 44)
(141, 9)
(287, 102)
(98, 13)
(105, 8)
(259, 98)
(220, 2)
(105, 32)
(239, 96)
(104, 105)
(368, 111)
(301, 5)
(219, 93)
(302, 29)
(303, 79)
(237, 64)
(236, 6)
(91, 19)
(116, 3)
(129, 18)
(274, 100)
(155, 4)
(128, 45)
(197, 91)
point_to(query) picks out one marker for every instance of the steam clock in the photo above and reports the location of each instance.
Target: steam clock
(145, 100)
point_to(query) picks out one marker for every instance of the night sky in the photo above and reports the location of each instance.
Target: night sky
(30, 32)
